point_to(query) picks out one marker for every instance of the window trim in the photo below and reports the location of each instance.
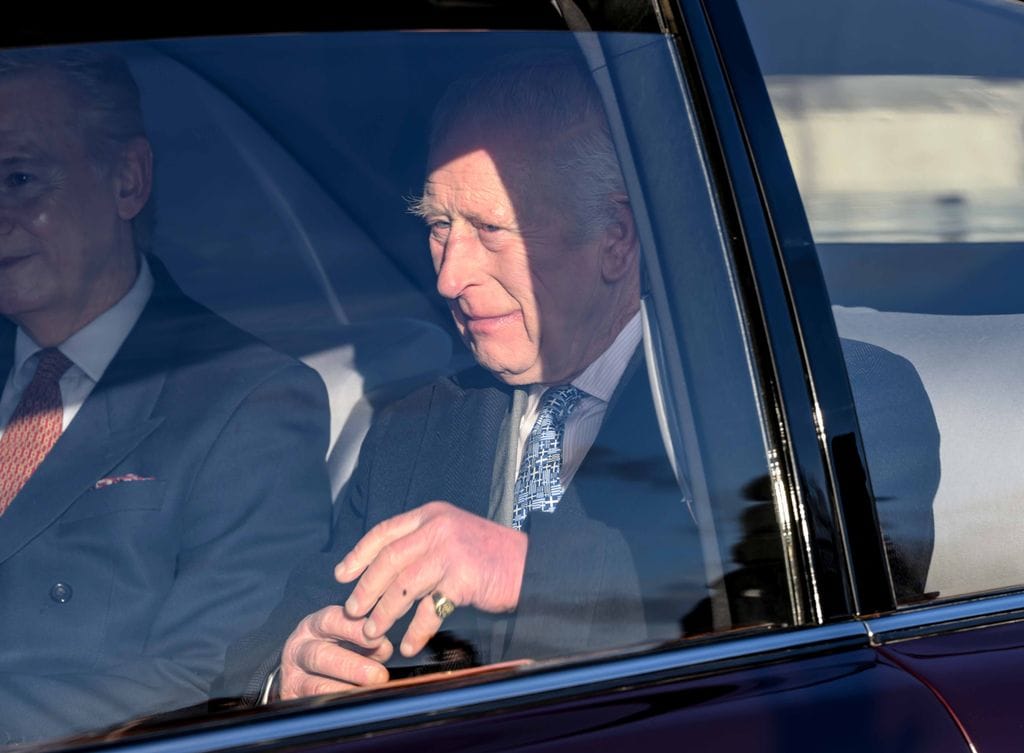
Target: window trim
(964, 613)
(309, 723)
(825, 461)
(803, 483)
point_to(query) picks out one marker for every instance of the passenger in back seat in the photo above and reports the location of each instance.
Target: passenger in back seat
(491, 493)
(480, 504)
(156, 464)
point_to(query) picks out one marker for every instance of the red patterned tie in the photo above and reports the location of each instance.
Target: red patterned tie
(34, 428)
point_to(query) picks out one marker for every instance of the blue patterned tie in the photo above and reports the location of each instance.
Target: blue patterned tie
(539, 484)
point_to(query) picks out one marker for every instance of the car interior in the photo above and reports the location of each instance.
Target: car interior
(905, 157)
(248, 229)
(285, 167)
(283, 180)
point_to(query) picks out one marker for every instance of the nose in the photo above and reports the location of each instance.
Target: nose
(460, 262)
(6, 223)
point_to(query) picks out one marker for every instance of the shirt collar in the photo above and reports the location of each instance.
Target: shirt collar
(93, 347)
(602, 376)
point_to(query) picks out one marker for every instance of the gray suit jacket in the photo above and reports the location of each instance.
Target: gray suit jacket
(120, 600)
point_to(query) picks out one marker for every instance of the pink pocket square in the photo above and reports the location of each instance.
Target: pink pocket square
(111, 480)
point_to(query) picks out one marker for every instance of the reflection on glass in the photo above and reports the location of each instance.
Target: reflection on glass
(904, 124)
(281, 182)
(906, 158)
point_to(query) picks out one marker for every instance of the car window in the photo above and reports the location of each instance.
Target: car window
(904, 126)
(340, 318)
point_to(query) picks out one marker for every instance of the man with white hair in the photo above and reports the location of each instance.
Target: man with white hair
(531, 494)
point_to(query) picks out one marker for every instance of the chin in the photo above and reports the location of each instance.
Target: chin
(514, 380)
(507, 371)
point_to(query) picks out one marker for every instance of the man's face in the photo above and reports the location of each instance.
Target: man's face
(529, 300)
(64, 253)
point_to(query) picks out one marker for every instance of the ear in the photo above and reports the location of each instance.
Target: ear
(133, 178)
(621, 247)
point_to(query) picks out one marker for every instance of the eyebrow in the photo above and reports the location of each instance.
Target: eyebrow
(425, 206)
(21, 156)
(422, 206)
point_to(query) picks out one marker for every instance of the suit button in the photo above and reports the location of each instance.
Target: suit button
(61, 593)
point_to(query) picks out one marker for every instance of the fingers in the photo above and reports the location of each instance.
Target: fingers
(422, 628)
(311, 686)
(438, 546)
(397, 566)
(313, 662)
(332, 624)
(416, 580)
(378, 537)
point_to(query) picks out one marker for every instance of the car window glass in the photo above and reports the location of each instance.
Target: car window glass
(288, 175)
(904, 125)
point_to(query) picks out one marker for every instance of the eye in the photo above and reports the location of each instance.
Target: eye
(439, 229)
(17, 180)
(485, 228)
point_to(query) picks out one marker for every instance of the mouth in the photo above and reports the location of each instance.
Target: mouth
(483, 325)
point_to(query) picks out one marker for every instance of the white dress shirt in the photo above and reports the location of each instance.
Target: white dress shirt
(599, 381)
(90, 351)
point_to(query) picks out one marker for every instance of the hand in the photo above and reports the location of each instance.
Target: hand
(313, 662)
(436, 547)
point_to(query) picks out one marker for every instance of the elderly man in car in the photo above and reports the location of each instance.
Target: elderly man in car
(491, 494)
(155, 462)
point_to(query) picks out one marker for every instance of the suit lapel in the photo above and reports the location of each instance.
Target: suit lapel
(456, 461)
(114, 419)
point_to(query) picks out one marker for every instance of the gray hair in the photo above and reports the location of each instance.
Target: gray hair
(552, 95)
(107, 104)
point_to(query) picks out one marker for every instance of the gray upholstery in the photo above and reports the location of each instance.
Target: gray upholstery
(247, 231)
(972, 367)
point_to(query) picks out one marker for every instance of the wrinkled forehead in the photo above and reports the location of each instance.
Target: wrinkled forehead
(499, 167)
(520, 152)
(525, 143)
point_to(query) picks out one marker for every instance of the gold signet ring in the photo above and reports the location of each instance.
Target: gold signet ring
(443, 606)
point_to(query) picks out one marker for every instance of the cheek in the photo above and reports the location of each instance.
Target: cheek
(33, 216)
(53, 230)
(55, 240)
(41, 222)
(520, 283)
(552, 292)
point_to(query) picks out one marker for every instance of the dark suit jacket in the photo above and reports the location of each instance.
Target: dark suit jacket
(158, 576)
(617, 563)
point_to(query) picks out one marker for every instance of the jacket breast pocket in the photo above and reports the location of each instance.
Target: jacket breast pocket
(125, 496)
